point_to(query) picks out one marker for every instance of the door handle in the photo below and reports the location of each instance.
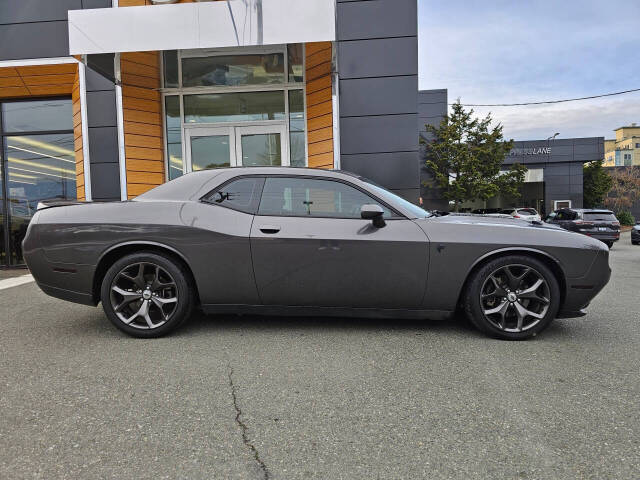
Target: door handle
(270, 229)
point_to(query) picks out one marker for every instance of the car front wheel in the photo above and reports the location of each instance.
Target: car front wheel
(147, 294)
(513, 297)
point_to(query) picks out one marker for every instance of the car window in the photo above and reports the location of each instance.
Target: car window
(310, 197)
(527, 211)
(599, 216)
(241, 194)
(508, 211)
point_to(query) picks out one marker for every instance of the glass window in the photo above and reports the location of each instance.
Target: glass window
(308, 197)
(599, 216)
(296, 128)
(296, 62)
(234, 107)
(39, 167)
(170, 61)
(174, 136)
(212, 151)
(239, 195)
(36, 116)
(258, 69)
(261, 149)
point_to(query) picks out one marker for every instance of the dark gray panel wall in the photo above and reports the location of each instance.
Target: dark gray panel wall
(377, 61)
(432, 108)
(103, 133)
(38, 28)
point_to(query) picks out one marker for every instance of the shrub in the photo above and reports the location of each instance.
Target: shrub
(625, 217)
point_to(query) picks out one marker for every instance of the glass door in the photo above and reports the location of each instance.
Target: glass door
(209, 148)
(235, 146)
(261, 146)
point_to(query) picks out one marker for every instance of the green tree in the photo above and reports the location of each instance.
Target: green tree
(466, 158)
(596, 184)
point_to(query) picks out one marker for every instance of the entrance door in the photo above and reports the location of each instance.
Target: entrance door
(235, 146)
(261, 146)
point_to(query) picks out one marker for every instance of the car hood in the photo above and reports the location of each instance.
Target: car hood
(494, 221)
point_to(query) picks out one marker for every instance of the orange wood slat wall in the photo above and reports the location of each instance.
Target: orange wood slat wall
(35, 81)
(142, 112)
(77, 138)
(319, 106)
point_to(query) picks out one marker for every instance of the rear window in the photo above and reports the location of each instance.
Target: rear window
(599, 216)
(527, 211)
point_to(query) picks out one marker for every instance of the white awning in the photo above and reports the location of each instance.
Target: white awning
(230, 23)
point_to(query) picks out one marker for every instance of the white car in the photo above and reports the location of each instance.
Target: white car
(528, 214)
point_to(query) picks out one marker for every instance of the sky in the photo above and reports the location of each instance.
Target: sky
(510, 51)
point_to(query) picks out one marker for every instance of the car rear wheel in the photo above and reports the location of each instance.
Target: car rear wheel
(512, 298)
(147, 294)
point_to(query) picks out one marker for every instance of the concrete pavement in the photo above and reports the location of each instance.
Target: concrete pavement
(253, 398)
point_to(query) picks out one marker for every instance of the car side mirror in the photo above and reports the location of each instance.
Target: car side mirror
(374, 213)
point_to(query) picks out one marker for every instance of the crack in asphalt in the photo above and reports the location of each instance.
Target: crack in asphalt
(243, 427)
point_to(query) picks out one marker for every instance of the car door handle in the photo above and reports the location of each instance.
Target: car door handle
(270, 229)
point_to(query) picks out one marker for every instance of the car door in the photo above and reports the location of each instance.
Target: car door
(311, 248)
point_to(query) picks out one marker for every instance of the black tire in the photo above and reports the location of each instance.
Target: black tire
(170, 302)
(609, 244)
(504, 324)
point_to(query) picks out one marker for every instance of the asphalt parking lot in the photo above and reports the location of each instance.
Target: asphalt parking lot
(253, 398)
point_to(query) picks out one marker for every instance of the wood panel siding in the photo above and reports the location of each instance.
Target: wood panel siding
(37, 80)
(77, 137)
(319, 104)
(142, 114)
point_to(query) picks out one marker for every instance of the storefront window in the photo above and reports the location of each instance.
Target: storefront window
(297, 143)
(233, 70)
(296, 62)
(38, 163)
(234, 107)
(174, 136)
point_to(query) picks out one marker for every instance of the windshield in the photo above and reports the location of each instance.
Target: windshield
(395, 199)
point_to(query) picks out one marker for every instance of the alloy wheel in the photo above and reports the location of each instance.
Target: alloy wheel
(515, 298)
(144, 295)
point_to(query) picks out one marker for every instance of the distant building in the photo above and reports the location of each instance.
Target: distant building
(624, 151)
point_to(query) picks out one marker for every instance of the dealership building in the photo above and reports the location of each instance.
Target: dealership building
(554, 166)
(103, 100)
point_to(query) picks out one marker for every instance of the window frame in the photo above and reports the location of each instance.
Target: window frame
(396, 215)
(181, 91)
(4, 190)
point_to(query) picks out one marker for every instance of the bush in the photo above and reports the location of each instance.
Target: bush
(626, 218)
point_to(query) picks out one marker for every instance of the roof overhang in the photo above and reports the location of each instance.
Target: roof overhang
(229, 23)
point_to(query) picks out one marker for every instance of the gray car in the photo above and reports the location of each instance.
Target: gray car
(290, 241)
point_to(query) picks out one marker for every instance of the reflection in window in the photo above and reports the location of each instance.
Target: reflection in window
(306, 197)
(238, 195)
(170, 63)
(234, 107)
(212, 151)
(296, 128)
(230, 70)
(39, 167)
(261, 149)
(38, 115)
(174, 136)
(296, 62)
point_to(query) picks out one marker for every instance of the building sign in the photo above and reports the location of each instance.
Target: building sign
(530, 151)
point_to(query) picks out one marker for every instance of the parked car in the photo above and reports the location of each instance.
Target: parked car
(597, 223)
(291, 241)
(635, 234)
(525, 213)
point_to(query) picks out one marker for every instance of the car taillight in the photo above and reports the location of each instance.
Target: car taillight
(516, 216)
(615, 224)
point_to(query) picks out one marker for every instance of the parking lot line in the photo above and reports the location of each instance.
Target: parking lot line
(15, 281)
